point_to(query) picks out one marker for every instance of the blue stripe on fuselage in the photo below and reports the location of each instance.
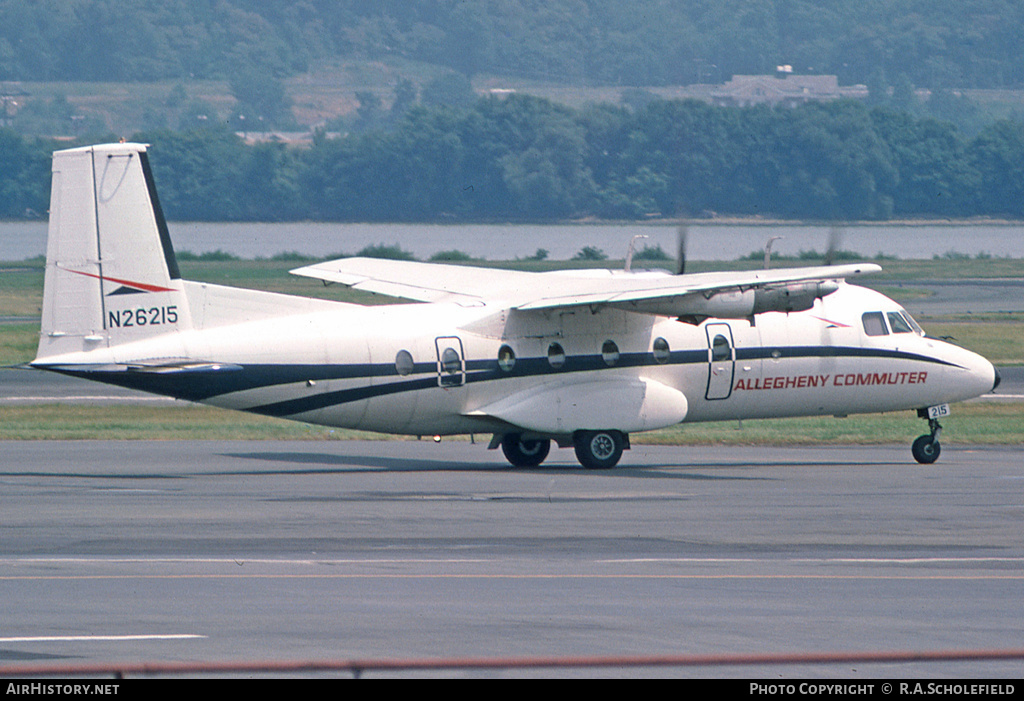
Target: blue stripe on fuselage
(205, 385)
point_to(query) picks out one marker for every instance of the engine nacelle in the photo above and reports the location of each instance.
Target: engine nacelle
(739, 304)
(792, 298)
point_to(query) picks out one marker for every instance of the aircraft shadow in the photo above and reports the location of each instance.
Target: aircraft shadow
(327, 463)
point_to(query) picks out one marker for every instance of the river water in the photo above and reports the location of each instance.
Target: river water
(21, 240)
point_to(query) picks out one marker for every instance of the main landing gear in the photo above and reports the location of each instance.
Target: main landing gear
(596, 450)
(599, 450)
(528, 452)
(926, 448)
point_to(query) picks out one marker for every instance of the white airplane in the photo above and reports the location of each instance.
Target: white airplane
(581, 358)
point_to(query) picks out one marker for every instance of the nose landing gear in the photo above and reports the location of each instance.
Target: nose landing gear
(926, 448)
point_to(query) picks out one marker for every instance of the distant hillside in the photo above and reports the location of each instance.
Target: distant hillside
(931, 43)
(521, 158)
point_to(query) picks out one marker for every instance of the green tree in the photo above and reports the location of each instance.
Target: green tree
(935, 177)
(370, 112)
(449, 90)
(405, 97)
(270, 181)
(199, 174)
(997, 153)
(24, 178)
(263, 103)
(820, 160)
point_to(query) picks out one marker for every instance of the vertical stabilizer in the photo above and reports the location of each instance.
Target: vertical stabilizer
(111, 275)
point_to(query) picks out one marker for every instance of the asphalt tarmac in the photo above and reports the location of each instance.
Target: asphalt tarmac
(177, 552)
(967, 296)
(235, 551)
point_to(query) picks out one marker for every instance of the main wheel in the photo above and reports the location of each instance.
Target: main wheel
(599, 450)
(926, 450)
(525, 453)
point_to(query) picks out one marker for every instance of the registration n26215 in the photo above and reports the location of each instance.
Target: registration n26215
(142, 316)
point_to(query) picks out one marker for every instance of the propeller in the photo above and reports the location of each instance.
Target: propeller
(835, 237)
(681, 233)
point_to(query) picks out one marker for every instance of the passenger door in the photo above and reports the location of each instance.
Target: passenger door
(451, 364)
(721, 361)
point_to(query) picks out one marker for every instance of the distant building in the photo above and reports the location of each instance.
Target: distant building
(788, 91)
(288, 138)
(12, 98)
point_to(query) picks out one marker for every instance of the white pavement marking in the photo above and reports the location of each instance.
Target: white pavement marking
(96, 638)
(87, 397)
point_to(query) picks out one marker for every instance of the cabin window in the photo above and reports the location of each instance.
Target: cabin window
(874, 324)
(898, 324)
(404, 363)
(610, 353)
(506, 358)
(720, 349)
(451, 363)
(556, 355)
(661, 350)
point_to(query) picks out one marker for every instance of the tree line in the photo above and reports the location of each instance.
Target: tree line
(936, 43)
(522, 158)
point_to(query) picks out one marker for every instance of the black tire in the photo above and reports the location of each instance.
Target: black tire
(599, 450)
(926, 450)
(525, 453)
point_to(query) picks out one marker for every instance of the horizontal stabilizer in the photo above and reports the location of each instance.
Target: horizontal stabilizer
(156, 368)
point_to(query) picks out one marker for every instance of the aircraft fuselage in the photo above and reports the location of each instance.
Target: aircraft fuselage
(580, 357)
(429, 369)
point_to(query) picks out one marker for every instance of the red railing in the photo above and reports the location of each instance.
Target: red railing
(358, 667)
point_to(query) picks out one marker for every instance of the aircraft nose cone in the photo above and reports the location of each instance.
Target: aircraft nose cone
(996, 383)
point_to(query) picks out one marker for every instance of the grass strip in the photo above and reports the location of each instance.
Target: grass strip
(179, 421)
(972, 423)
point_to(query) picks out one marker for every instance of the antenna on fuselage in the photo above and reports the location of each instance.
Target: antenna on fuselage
(629, 253)
(768, 251)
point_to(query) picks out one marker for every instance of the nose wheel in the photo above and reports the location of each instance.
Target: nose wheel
(926, 448)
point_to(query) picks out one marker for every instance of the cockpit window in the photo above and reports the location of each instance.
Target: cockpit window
(874, 324)
(913, 324)
(898, 324)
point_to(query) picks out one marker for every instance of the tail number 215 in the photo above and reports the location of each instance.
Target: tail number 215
(142, 316)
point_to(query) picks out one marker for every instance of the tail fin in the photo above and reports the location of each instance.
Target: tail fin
(111, 274)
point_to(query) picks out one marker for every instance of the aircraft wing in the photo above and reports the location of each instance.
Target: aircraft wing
(723, 294)
(423, 282)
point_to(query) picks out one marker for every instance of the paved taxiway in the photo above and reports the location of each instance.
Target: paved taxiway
(966, 296)
(177, 551)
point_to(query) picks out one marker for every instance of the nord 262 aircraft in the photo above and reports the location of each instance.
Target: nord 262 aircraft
(578, 358)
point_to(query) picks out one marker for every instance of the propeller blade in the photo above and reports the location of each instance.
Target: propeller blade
(681, 233)
(835, 237)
